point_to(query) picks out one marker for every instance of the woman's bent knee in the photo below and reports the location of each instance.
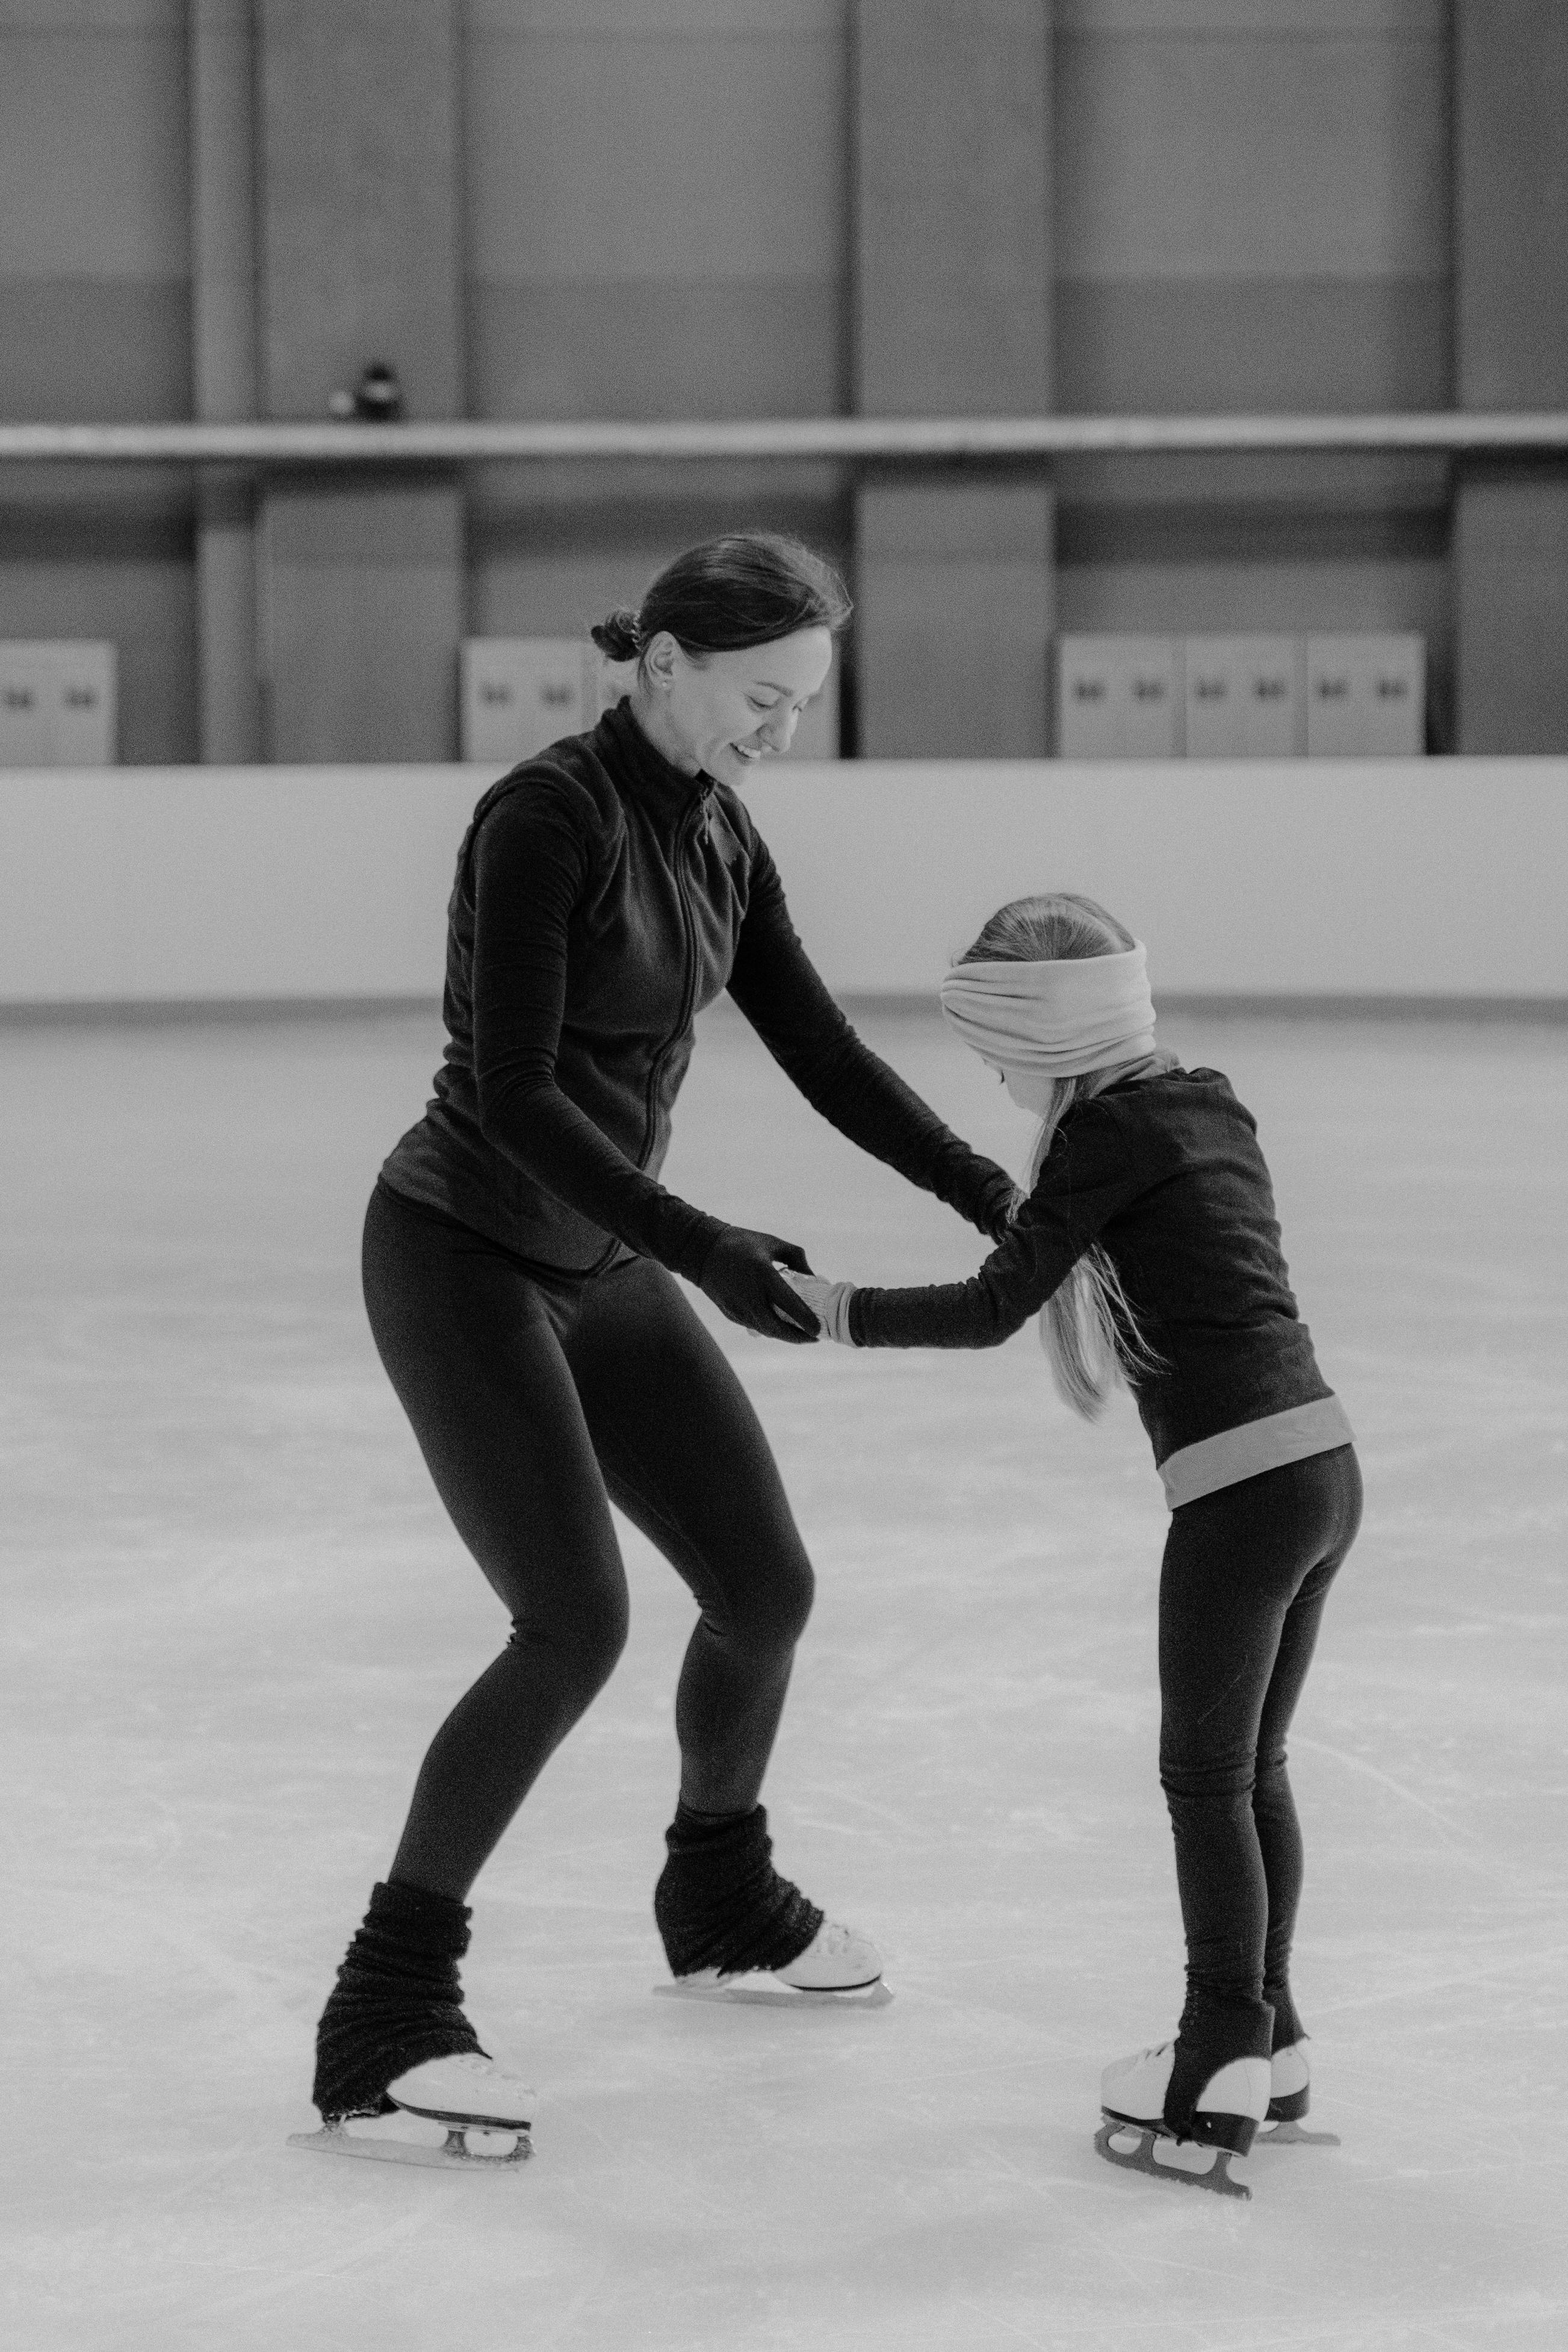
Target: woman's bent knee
(583, 1653)
(775, 1611)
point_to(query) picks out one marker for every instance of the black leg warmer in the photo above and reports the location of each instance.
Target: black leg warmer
(397, 2001)
(1213, 2032)
(719, 1902)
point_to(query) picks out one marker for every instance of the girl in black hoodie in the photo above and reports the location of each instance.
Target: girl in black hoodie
(1148, 1245)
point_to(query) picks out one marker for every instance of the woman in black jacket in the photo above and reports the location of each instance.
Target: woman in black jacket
(519, 1264)
(1148, 1245)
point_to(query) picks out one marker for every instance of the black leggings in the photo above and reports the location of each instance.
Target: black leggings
(538, 1402)
(1247, 1571)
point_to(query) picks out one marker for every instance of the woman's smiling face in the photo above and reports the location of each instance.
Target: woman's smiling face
(720, 714)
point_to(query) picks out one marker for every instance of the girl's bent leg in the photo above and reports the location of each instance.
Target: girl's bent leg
(471, 1350)
(684, 1456)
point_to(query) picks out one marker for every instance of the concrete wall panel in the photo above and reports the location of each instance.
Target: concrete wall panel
(362, 614)
(57, 16)
(1513, 204)
(1206, 347)
(1510, 595)
(1199, 18)
(1183, 157)
(360, 207)
(95, 349)
(610, 157)
(773, 347)
(645, 18)
(92, 152)
(1510, 526)
(953, 220)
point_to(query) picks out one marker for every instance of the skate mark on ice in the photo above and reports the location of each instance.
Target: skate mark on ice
(1534, 1962)
(371, 2246)
(1354, 1764)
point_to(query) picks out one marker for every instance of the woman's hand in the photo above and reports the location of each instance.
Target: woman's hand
(739, 1274)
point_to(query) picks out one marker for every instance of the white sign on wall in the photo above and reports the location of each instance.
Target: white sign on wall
(1244, 698)
(518, 693)
(1366, 698)
(1119, 698)
(57, 704)
(1358, 696)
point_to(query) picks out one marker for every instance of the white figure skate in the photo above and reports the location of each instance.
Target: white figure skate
(473, 2112)
(1289, 2096)
(837, 1967)
(1230, 2106)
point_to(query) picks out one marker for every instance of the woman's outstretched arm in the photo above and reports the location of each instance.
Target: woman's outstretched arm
(784, 997)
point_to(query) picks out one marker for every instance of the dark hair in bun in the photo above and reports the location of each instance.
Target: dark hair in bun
(729, 593)
(616, 637)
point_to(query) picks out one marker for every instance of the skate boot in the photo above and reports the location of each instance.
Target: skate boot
(1289, 2096)
(393, 2043)
(733, 1929)
(1141, 2133)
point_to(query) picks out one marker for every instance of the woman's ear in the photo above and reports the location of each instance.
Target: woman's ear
(659, 658)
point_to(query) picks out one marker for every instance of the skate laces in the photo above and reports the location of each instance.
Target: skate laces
(832, 1937)
(475, 2063)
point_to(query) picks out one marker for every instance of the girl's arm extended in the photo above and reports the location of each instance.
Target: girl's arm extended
(1086, 1178)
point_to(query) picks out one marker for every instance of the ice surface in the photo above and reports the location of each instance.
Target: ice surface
(235, 1613)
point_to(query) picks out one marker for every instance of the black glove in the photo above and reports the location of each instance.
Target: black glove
(738, 1276)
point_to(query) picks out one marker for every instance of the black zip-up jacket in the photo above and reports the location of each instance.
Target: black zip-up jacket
(1166, 1174)
(602, 898)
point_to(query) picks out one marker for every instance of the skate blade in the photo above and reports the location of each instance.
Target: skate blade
(1183, 2161)
(760, 1991)
(452, 2153)
(1294, 2135)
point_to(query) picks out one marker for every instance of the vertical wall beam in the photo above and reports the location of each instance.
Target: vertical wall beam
(222, 320)
(361, 585)
(954, 292)
(1510, 520)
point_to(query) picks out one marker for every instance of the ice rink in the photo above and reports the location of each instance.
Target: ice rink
(235, 1613)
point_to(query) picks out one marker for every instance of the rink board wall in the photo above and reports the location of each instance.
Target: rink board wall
(1418, 878)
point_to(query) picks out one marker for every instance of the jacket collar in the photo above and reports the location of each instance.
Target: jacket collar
(635, 765)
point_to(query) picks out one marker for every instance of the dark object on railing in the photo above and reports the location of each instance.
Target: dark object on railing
(377, 397)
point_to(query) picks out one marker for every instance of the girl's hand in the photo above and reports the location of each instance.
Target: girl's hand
(828, 1301)
(741, 1274)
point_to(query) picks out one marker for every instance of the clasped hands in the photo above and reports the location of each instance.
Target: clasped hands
(765, 1283)
(760, 1281)
(829, 1302)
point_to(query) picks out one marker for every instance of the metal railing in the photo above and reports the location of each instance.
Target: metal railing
(986, 439)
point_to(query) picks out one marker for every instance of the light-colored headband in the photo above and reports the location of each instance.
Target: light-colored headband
(1083, 1012)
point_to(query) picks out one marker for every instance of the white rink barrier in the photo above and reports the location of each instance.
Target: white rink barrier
(1417, 879)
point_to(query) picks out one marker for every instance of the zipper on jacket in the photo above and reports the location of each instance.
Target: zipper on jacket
(688, 992)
